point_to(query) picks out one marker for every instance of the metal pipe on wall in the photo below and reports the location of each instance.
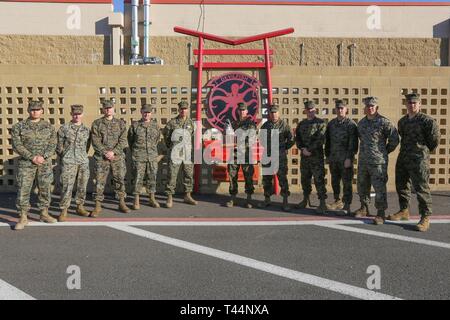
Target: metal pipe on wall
(134, 31)
(146, 54)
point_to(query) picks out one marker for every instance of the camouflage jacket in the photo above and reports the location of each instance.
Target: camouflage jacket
(245, 125)
(109, 135)
(286, 139)
(32, 139)
(143, 140)
(378, 138)
(171, 140)
(419, 136)
(74, 142)
(341, 139)
(310, 134)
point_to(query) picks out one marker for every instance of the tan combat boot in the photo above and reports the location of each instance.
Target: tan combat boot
(169, 202)
(230, 203)
(63, 216)
(402, 214)
(23, 221)
(248, 203)
(188, 199)
(304, 203)
(122, 205)
(45, 217)
(266, 202)
(361, 212)
(379, 219)
(322, 208)
(336, 205)
(424, 224)
(152, 201)
(136, 205)
(82, 211)
(97, 210)
(286, 204)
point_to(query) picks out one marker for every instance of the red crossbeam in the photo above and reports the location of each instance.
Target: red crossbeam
(233, 65)
(236, 42)
(229, 52)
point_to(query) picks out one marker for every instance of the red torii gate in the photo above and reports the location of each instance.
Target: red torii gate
(200, 65)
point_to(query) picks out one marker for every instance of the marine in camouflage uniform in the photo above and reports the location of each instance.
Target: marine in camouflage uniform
(73, 145)
(143, 138)
(178, 134)
(419, 136)
(109, 139)
(378, 137)
(341, 145)
(286, 141)
(310, 138)
(242, 154)
(34, 140)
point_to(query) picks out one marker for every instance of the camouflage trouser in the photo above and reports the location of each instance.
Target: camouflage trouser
(282, 179)
(145, 171)
(26, 174)
(69, 173)
(118, 168)
(338, 173)
(188, 177)
(313, 167)
(417, 173)
(233, 171)
(375, 175)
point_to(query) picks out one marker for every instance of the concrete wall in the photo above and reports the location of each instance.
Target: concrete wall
(233, 20)
(164, 86)
(308, 21)
(20, 49)
(25, 18)
(27, 49)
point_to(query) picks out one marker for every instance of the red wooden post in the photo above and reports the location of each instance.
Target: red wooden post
(198, 135)
(269, 90)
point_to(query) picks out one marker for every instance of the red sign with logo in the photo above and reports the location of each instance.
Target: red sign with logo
(227, 90)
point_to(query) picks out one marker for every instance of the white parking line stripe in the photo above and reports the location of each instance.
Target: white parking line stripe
(384, 235)
(9, 292)
(316, 281)
(211, 223)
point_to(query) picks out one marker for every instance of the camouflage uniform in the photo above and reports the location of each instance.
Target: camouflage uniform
(247, 168)
(310, 134)
(31, 139)
(378, 137)
(341, 143)
(73, 146)
(109, 135)
(419, 136)
(185, 152)
(143, 140)
(286, 141)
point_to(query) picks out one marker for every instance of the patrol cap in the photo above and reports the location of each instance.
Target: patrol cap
(340, 103)
(242, 106)
(147, 108)
(35, 105)
(107, 104)
(273, 108)
(412, 97)
(183, 105)
(76, 108)
(310, 104)
(370, 101)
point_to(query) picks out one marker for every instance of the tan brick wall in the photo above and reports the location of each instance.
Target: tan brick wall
(16, 49)
(164, 86)
(27, 49)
